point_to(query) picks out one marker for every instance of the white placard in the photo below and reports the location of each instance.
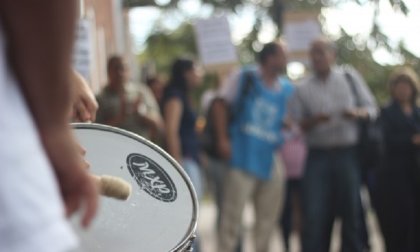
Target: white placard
(83, 49)
(300, 34)
(214, 41)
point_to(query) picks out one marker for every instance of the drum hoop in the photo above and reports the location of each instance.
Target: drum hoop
(171, 160)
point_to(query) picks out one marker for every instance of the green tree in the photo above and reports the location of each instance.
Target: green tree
(273, 8)
(360, 57)
(162, 45)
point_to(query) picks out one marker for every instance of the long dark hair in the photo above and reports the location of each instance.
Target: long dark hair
(179, 68)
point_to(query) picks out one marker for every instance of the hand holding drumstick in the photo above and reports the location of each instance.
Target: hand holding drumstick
(84, 110)
(112, 187)
(109, 186)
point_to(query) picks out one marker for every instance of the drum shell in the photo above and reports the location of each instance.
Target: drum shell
(146, 221)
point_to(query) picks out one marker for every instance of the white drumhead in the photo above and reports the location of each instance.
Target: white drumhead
(148, 221)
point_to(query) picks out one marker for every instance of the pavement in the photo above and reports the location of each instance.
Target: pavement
(207, 232)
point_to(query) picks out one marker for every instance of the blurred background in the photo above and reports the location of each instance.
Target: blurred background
(373, 36)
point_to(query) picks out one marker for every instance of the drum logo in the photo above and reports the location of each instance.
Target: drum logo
(151, 177)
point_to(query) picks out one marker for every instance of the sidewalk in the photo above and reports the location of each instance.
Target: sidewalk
(207, 233)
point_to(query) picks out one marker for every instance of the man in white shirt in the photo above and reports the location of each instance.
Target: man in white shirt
(41, 165)
(328, 111)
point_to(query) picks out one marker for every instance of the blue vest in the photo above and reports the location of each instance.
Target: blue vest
(255, 130)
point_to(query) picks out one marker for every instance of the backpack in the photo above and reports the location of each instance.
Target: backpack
(208, 137)
(370, 146)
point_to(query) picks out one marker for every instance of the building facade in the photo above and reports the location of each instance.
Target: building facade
(103, 30)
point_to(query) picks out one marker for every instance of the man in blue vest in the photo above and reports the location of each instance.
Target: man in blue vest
(257, 98)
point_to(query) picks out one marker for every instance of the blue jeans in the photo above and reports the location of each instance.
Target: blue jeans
(193, 171)
(331, 187)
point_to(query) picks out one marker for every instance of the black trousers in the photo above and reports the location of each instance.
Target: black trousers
(397, 200)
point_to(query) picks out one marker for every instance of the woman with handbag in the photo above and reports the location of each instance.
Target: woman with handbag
(398, 187)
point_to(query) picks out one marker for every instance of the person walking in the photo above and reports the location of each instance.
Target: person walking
(398, 182)
(257, 98)
(326, 108)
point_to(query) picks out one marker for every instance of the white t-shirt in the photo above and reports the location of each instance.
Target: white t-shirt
(31, 212)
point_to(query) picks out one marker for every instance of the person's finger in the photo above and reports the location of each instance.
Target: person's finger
(82, 152)
(86, 164)
(83, 111)
(92, 107)
(91, 203)
(72, 204)
(80, 149)
(75, 114)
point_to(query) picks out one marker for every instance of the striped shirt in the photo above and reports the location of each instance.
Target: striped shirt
(332, 96)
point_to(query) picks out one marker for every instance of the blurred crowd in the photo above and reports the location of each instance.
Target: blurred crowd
(299, 151)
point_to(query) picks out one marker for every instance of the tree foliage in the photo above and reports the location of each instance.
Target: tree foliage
(360, 57)
(273, 8)
(162, 46)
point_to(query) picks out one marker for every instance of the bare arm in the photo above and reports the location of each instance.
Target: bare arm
(172, 117)
(149, 112)
(220, 115)
(40, 35)
(148, 115)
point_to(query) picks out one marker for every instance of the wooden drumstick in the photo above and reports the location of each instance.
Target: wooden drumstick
(112, 187)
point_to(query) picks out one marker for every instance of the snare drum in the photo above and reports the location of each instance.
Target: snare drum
(161, 213)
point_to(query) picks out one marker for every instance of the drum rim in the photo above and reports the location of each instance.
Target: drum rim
(169, 158)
